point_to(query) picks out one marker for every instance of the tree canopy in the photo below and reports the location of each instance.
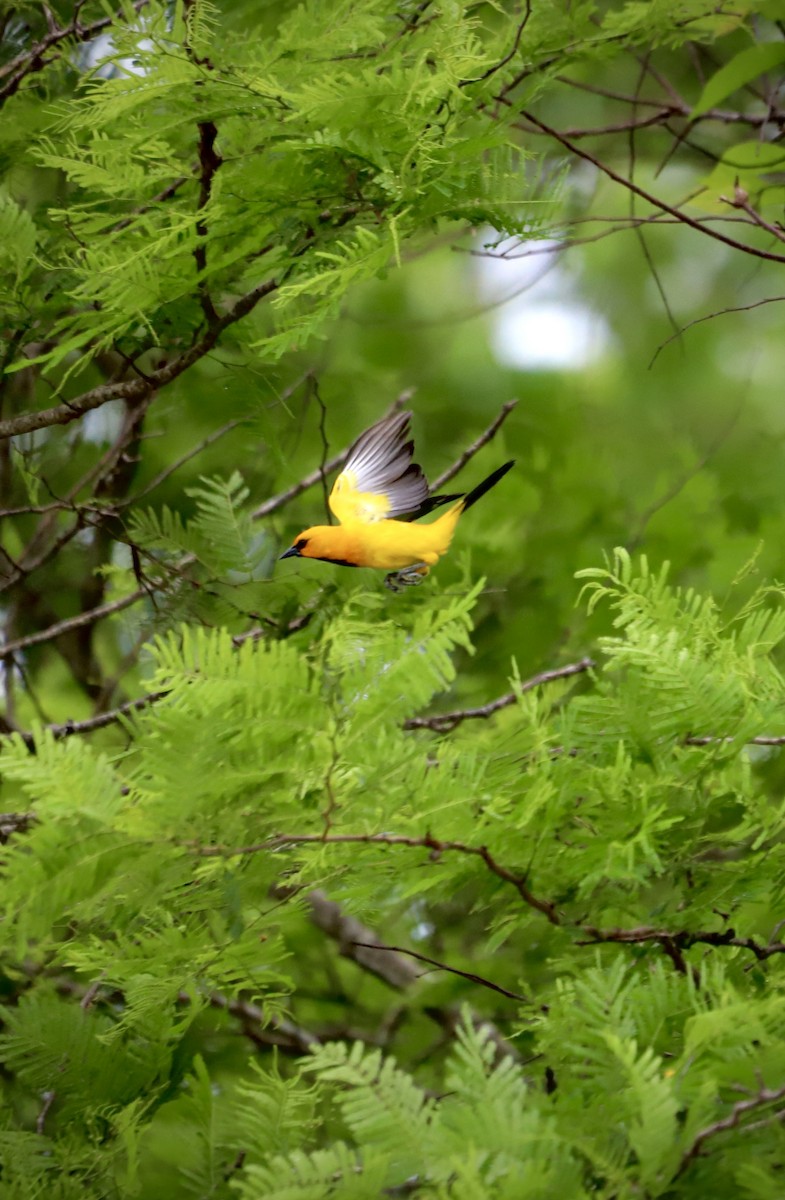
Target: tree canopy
(309, 889)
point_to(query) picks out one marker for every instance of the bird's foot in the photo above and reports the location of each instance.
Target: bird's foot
(396, 581)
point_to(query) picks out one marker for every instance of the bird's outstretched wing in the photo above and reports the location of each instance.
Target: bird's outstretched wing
(379, 479)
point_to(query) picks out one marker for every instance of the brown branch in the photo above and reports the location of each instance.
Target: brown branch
(720, 312)
(101, 720)
(165, 194)
(69, 728)
(647, 196)
(434, 962)
(390, 964)
(672, 108)
(254, 1020)
(499, 65)
(477, 445)
(427, 842)
(732, 1121)
(446, 722)
(11, 823)
(682, 939)
(70, 623)
(209, 161)
(632, 123)
(33, 60)
(175, 466)
(740, 199)
(137, 389)
(359, 943)
(48, 1097)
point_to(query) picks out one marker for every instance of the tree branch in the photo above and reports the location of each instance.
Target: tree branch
(136, 389)
(732, 1121)
(359, 943)
(70, 623)
(508, 57)
(434, 962)
(209, 160)
(681, 938)
(446, 722)
(651, 199)
(33, 60)
(477, 445)
(427, 842)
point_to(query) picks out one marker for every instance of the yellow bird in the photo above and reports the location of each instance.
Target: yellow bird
(378, 484)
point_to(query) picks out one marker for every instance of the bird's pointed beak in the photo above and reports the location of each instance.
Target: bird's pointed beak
(292, 552)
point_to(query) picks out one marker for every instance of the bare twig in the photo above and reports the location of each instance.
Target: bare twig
(720, 312)
(761, 739)
(732, 1121)
(101, 720)
(508, 57)
(740, 199)
(11, 823)
(684, 217)
(70, 623)
(476, 445)
(69, 728)
(359, 943)
(434, 962)
(680, 938)
(446, 722)
(48, 1097)
(179, 462)
(165, 194)
(255, 1020)
(314, 383)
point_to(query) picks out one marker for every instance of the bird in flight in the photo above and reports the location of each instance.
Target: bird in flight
(376, 498)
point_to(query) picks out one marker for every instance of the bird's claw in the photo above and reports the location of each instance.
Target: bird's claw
(396, 581)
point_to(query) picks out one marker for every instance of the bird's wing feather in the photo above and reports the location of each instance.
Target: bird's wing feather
(379, 479)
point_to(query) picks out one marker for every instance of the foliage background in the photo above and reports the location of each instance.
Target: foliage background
(593, 872)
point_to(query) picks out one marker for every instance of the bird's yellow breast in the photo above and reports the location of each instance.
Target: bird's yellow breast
(391, 545)
(387, 545)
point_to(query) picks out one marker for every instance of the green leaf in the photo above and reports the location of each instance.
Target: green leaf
(747, 65)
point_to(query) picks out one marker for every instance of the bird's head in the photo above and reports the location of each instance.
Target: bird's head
(312, 543)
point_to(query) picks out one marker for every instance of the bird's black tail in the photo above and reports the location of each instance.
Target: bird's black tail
(477, 493)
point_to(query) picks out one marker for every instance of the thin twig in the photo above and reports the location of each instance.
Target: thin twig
(175, 466)
(48, 1097)
(70, 728)
(446, 722)
(681, 938)
(720, 312)
(477, 445)
(507, 58)
(441, 966)
(70, 623)
(732, 1121)
(651, 199)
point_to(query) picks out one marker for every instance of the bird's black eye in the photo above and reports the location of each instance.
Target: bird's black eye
(301, 543)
